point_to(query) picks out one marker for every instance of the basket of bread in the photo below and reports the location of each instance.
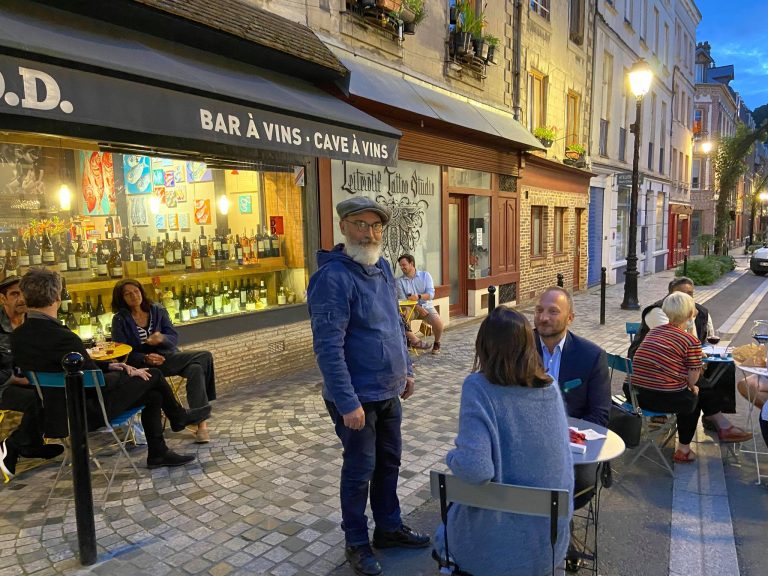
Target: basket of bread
(750, 355)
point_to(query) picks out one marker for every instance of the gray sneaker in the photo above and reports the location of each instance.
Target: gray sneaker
(436, 348)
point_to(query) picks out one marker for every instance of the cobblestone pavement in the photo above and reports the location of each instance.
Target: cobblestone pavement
(263, 496)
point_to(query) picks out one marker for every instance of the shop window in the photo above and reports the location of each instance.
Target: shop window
(541, 7)
(537, 100)
(698, 120)
(412, 192)
(696, 173)
(508, 246)
(205, 241)
(479, 212)
(538, 231)
(622, 223)
(659, 221)
(460, 178)
(559, 231)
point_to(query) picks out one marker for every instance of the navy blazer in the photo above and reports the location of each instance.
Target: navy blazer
(583, 379)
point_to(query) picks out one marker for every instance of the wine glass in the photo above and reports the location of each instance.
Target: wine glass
(713, 338)
(760, 331)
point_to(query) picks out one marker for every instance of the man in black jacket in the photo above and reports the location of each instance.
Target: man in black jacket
(15, 393)
(41, 342)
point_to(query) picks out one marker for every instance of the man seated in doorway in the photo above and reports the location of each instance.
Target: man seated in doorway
(720, 376)
(580, 369)
(41, 342)
(15, 392)
(417, 285)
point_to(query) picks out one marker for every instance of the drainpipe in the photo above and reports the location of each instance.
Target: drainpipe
(517, 41)
(594, 59)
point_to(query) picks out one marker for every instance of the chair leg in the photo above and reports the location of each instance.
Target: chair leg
(64, 463)
(121, 445)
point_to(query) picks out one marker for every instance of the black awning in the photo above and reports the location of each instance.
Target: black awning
(380, 84)
(66, 68)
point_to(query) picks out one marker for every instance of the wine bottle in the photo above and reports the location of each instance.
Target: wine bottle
(228, 247)
(149, 255)
(3, 249)
(248, 254)
(199, 300)
(114, 266)
(66, 299)
(251, 297)
(60, 250)
(226, 301)
(203, 243)
(49, 256)
(11, 260)
(208, 300)
(169, 258)
(177, 255)
(212, 256)
(197, 262)
(187, 254)
(102, 258)
(217, 251)
(84, 328)
(35, 255)
(191, 306)
(159, 254)
(262, 293)
(71, 254)
(274, 242)
(83, 256)
(77, 310)
(100, 307)
(23, 253)
(263, 243)
(183, 306)
(137, 252)
(281, 296)
(125, 246)
(71, 322)
(217, 299)
(238, 251)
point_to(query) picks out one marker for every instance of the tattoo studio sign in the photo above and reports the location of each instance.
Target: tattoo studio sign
(410, 190)
(43, 91)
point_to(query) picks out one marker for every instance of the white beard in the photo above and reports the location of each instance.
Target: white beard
(365, 254)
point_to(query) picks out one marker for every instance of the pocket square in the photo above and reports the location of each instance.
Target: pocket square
(571, 384)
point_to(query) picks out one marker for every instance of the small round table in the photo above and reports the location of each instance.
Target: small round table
(753, 414)
(120, 351)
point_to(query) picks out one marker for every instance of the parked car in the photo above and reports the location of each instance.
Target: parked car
(759, 261)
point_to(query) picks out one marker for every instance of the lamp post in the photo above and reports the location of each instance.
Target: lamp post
(640, 78)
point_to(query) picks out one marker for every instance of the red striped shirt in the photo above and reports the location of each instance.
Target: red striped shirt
(664, 358)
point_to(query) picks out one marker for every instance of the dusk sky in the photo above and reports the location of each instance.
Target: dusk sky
(736, 31)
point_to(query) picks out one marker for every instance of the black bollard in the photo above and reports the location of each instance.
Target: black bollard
(81, 470)
(491, 298)
(560, 280)
(685, 265)
(602, 295)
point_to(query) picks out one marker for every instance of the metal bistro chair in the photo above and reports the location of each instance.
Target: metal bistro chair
(632, 329)
(125, 420)
(525, 500)
(654, 437)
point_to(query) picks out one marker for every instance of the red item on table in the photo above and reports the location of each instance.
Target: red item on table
(577, 437)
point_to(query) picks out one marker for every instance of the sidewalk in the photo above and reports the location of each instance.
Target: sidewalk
(263, 497)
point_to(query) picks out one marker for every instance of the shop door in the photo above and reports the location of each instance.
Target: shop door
(577, 251)
(457, 254)
(595, 235)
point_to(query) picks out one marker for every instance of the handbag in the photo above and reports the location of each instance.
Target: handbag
(626, 423)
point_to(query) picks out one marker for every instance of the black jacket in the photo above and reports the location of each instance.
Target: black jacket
(701, 321)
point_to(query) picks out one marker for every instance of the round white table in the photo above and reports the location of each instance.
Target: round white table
(600, 450)
(753, 414)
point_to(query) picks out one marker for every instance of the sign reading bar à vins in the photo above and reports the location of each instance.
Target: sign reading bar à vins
(624, 179)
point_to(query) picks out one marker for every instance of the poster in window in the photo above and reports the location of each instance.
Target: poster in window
(181, 192)
(198, 172)
(138, 212)
(137, 173)
(170, 197)
(202, 211)
(245, 204)
(160, 222)
(184, 221)
(159, 192)
(98, 183)
(173, 221)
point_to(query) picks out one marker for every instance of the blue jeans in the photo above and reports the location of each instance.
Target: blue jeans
(371, 456)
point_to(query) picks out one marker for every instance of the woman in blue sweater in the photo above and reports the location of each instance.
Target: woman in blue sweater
(512, 430)
(148, 329)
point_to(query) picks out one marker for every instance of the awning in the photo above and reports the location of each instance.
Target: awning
(381, 84)
(143, 84)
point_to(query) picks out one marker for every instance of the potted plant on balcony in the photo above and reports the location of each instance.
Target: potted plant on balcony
(492, 42)
(466, 26)
(389, 5)
(575, 151)
(414, 8)
(546, 135)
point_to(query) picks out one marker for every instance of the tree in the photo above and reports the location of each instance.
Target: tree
(760, 115)
(758, 186)
(729, 166)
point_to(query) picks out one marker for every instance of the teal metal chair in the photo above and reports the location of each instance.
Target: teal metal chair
(632, 329)
(655, 436)
(126, 420)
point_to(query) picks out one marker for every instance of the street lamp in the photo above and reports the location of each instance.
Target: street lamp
(640, 78)
(706, 147)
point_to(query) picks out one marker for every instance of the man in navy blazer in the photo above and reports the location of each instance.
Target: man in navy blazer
(579, 366)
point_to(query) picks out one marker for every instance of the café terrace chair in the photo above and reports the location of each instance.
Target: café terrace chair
(632, 329)
(654, 436)
(524, 500)
(125, 421)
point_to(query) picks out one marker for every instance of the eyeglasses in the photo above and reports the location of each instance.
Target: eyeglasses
(363, 226)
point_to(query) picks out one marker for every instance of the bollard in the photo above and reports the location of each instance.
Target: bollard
(685, 265)
(491, 298)
(560, 280)
(602, 295)
(81, 470)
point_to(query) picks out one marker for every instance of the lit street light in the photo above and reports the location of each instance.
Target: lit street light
(640, 78)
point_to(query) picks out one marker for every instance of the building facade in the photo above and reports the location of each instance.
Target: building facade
(662, 33)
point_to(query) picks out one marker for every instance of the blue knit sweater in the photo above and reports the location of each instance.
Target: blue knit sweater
(512, 435)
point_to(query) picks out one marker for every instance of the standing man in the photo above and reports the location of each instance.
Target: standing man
(15, 392)
(360, 347)
(580, 369)
(417, 285)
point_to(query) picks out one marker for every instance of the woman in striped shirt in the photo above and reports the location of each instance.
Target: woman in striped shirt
(666, 370)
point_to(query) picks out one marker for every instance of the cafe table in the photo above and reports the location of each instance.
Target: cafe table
(599, 451)
(753, 415)
(116, 352)
(407, 308)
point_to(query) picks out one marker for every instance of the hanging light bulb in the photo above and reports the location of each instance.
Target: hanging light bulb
(65, 197)
(223, 203)
(154, 204)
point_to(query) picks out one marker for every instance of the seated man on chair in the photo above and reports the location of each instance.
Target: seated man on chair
(41, 342)
(580, 369)
(15, 392)
(417, 285)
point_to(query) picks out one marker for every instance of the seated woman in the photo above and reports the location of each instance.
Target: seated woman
(666, 370)
(148, 329)
(512, 430)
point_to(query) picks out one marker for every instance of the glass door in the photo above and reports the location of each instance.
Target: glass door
(457, 254)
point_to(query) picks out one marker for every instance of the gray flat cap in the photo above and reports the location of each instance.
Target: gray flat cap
(359, 204)
(10, 281)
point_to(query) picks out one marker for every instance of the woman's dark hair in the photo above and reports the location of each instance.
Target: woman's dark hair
(505, 351)
(118, 301)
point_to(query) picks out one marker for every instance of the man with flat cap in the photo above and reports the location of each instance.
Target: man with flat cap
(15, 391)
(359, 342)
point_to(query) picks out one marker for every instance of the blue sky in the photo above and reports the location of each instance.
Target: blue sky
(737, 30)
